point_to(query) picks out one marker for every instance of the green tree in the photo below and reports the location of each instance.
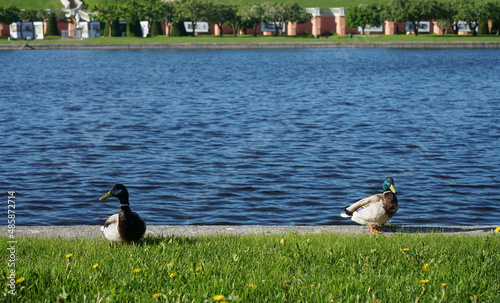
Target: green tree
(281, 13)
(495, 17)
(446, 16)
(412, 11)
(194, 11)
(113, 29)
(157, 12)
(294, 13)
(472, 13)
(235, 20)
(220, 14)
(133, 11)
(32, 15)
(9, 14)
(109, 14)
(363, 15)
(251, 14)
(275, 13)
(52, 29)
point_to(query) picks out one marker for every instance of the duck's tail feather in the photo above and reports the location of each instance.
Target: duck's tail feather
(346, 213)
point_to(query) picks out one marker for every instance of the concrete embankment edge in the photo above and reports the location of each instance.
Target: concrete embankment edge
(262, 45)
(93, 231)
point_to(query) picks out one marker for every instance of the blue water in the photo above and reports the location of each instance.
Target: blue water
(250, 136)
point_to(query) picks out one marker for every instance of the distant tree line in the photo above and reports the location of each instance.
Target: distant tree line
(447, 14)
(10, 14)
(248, 16)
(175, 13)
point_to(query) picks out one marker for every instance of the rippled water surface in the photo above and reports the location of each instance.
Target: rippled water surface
(250, 136)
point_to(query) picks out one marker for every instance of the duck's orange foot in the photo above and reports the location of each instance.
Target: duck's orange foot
(375, 230)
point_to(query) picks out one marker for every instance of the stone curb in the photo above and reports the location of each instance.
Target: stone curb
(93, 231)
(259, 45)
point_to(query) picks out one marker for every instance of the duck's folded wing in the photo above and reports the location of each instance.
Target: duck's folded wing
(365, 202)
(112, 220)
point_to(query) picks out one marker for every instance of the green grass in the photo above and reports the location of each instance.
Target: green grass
(33, 4)
(251, 39)
(258, 268)
(302, 3)
(56, 4)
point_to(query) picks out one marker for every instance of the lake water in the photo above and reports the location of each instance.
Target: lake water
(250, 136)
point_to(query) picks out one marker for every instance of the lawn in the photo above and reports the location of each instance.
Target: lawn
(33, 4)
(257, 268)
(56, 4)
(258, 39)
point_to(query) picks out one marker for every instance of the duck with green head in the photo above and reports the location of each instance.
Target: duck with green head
(126, 225)
(376, 209)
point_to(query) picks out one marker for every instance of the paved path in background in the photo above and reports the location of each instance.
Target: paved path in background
(92, 231)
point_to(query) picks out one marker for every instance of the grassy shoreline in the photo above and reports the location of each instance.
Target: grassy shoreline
(259, 39)
(279, 267)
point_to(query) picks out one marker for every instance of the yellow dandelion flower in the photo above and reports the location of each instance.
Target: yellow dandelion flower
(425, 266)
(136, 270)
(424, 281)
(199, 268)
(218, 297)
(90, 276)
(95, 266)
(443, 285)
(404, 249)
(312, 285)
(156, 296)
(173, 275)
(282, 241)
(69, 256)
(251, 285)
(170, 264)
(497, 230)
(373, 251)
(20, 280)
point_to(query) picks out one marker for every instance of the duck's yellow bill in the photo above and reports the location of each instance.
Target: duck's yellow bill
(392, 188)
(105, 196)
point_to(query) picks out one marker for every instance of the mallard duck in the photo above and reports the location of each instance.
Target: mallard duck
(126, 225)
(376, 209)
